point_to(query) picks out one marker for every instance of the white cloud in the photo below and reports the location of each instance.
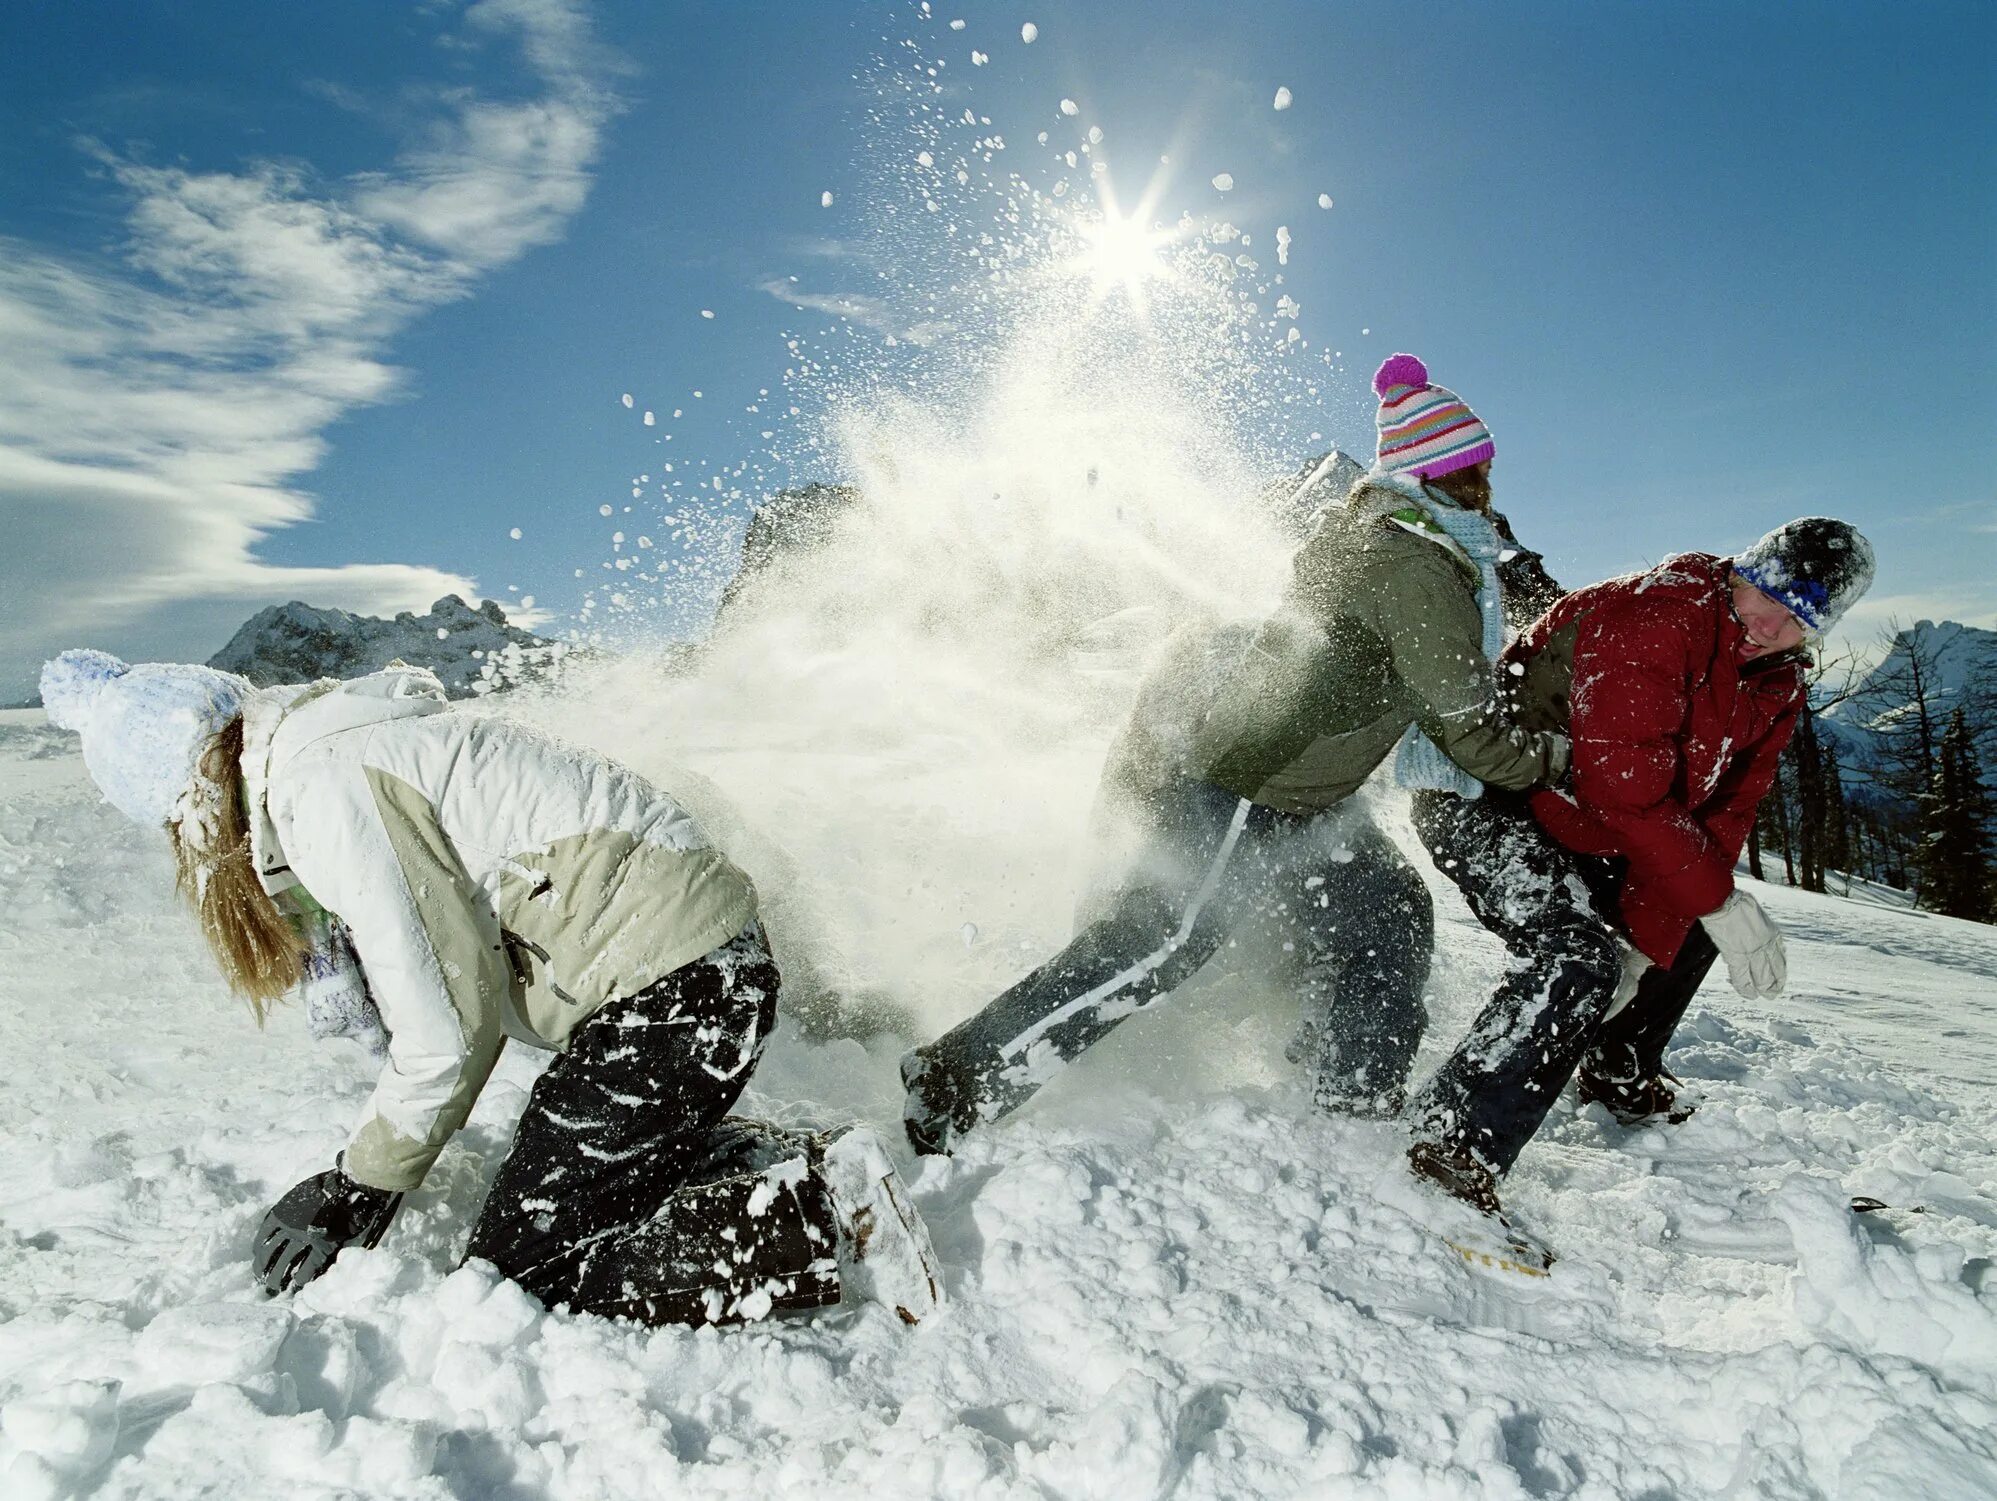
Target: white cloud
(157, 415)
(859, 307)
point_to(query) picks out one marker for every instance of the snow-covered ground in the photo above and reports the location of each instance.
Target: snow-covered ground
(1160, 1286)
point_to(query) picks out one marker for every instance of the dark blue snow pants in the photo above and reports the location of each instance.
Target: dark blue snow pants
(1330, 893)
(1554, 909)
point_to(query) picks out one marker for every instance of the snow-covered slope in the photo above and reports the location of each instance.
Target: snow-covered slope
(471, 650)
(1168, 1278)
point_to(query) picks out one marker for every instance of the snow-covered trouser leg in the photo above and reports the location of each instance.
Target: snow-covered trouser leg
(630, 1191)
(1157, 931)
(1362, 926)
(1492, 1093)
(1629, 1047)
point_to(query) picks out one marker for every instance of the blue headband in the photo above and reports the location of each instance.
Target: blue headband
(1806, 599)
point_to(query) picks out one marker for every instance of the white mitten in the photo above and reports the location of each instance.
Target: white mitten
(1634, 964)
(1757, 964)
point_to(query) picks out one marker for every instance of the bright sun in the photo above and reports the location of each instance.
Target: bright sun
(1122, 252)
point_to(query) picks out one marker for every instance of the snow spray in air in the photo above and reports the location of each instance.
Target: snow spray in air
(1058, 425)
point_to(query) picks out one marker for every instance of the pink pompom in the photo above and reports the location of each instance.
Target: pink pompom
(1399, 370)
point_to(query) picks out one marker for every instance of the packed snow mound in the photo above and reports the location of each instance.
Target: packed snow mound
(1168, 1277)
(471, 650)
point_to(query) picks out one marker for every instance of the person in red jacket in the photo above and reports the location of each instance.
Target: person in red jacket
(1679, 688)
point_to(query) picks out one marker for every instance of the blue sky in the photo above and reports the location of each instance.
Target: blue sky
(322, 302)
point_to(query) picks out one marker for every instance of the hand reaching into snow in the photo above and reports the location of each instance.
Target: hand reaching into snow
(312, 1224)
(1757, 962)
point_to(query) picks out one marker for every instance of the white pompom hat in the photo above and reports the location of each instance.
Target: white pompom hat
(144, 726)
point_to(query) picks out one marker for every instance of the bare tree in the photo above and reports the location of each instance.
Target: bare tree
(1902, 704)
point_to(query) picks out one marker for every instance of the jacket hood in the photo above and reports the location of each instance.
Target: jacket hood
(1402, 500)
(329, 707)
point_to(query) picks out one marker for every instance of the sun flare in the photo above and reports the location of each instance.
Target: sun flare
(1123, 253)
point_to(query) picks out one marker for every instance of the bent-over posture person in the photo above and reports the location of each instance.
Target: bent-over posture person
(1679, 688)
(1241, 758)
(470, 880)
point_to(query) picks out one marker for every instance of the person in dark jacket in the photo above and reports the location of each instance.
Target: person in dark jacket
(1239, 763)
(1679, 688)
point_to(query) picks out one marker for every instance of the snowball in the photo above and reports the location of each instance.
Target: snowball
(1282, 244)
(969, 933)
(603, 510)
(1095, 135)
(1069, 107)
(649, 419)
(1282, 99)
(627, 398)
(707, 312)
(1224, 181)
(514, 534)
(979, 59)
(956, 25)
(825, 199)
(1029, 33)
(1324, 200)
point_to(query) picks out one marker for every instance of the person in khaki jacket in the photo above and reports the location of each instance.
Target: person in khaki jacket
(1240, 761)
(473, 881)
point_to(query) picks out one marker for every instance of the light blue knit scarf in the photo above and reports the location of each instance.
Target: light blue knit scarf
(1420, 763)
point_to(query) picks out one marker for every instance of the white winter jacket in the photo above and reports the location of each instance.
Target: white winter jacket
(496, 882)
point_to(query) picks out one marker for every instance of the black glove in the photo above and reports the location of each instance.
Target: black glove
(313, 1223)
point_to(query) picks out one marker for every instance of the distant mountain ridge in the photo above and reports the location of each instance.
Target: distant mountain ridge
(472, 650)
(1962, 663)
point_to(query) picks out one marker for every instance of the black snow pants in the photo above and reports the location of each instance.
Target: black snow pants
(1331, 892)
(1629, 1046)
(1554, 910)
(631, 1192)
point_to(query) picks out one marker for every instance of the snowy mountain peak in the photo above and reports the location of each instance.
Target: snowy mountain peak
(472, 649)
(1957, 663)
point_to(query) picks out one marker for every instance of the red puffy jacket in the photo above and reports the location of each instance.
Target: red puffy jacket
(1675, 739)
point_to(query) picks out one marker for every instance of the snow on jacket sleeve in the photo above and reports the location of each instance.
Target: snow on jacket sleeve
(1424, 609)
(369, 847)
(1729, 812)
(1632, 680)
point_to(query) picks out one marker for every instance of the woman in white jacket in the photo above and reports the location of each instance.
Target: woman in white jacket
(494, 883)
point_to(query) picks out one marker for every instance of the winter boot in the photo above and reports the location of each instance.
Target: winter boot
(884, 1250)
(942, 1103)
(1457, 1174)
(1636, 1102)
(1473, 1222)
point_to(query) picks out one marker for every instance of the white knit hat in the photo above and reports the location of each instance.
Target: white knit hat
(144, 727)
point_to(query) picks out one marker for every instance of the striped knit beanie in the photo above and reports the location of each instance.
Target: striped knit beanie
(1425, 430)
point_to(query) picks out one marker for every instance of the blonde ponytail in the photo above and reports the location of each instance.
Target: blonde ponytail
(261, 955)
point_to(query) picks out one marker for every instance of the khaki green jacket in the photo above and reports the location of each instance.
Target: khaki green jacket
(1379, 630)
